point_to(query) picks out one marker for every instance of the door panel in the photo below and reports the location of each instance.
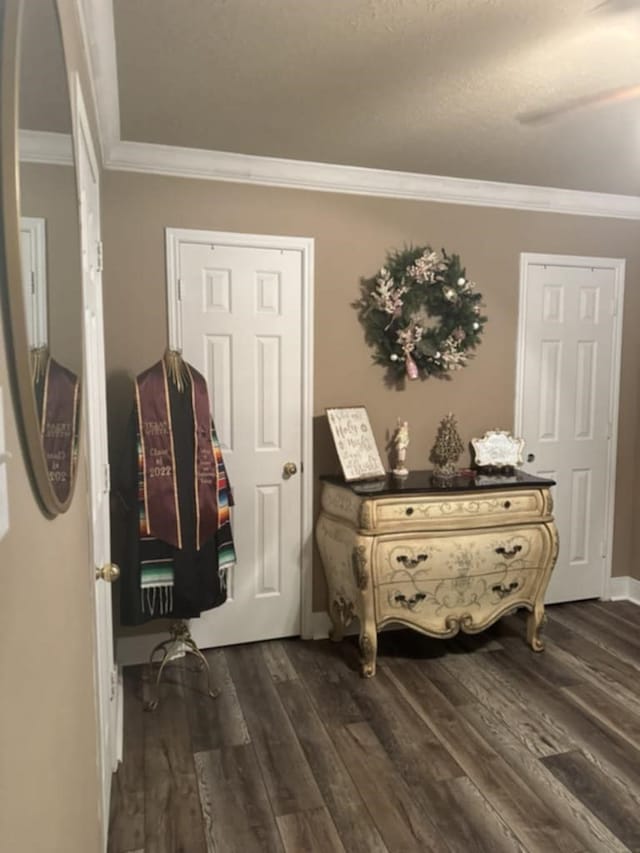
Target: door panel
(568, 347)
(241, 326)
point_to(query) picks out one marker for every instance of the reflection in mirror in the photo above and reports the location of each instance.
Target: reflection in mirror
(57, 394)
(49, 241)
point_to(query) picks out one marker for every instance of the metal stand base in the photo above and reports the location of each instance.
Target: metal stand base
(179, 644)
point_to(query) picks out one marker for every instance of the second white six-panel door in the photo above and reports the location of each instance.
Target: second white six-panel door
(241, 327)
(567, 398)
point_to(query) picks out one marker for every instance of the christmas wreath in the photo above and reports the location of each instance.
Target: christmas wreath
(421, 314)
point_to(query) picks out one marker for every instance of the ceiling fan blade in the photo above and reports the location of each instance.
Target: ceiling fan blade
(597, 99)
(616, 7)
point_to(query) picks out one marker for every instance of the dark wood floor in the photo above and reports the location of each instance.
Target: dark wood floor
(473, 744)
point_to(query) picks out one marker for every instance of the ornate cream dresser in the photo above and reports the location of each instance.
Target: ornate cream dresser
(439, 560)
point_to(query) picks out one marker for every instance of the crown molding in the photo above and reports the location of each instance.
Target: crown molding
(98, 30)
(325, 177)
(40, 146)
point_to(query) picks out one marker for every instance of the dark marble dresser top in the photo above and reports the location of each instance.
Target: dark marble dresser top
(424, 482)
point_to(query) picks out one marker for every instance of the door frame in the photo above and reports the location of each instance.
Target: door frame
(616, 309)
(305, 245)
(36, 305)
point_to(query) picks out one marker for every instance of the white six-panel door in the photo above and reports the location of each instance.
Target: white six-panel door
(240, 308)
(568, 374)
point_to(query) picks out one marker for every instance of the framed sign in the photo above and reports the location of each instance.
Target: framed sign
(355, 444)
(498, 449)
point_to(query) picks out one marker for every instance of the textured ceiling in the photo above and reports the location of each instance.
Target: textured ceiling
(430, 86)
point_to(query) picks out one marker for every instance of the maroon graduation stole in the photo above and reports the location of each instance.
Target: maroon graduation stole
(160, 486)
(59, 424)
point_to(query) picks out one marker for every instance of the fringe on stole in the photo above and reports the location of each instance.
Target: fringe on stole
(156, 585)
(157, 600)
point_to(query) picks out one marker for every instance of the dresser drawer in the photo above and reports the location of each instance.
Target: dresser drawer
(448, 512)
(439, 555)
(438, 604)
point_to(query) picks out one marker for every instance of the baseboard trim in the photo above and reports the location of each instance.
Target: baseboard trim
(619, 588)
(625, 589)
(136, 650)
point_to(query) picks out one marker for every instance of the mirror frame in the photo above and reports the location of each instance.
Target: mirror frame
(12, 304)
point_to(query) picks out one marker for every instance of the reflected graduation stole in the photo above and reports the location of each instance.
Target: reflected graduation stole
(59, 425)
(159, 502)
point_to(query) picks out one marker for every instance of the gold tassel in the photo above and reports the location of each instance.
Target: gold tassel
(176, 370)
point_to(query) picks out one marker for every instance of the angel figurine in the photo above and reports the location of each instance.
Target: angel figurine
(401, 442)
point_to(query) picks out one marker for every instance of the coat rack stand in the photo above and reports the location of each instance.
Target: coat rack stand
(179, 644)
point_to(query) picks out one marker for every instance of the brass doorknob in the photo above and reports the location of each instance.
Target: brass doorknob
(109, 573)
(290, 468)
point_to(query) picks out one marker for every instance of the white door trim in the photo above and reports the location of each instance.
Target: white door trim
(37, 321)
(618, 266)
(105, 670)
(304, 245)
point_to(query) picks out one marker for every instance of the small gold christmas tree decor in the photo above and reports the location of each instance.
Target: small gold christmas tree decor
(447, 448)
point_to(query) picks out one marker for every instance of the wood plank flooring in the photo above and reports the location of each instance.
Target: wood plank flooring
(472, 745)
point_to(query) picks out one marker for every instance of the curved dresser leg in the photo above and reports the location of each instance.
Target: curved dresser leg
(368, 652)
(535, 623)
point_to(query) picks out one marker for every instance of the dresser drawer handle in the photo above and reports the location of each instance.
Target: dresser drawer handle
(503, 591)
(412, 562)
(401, 599)
(509, 552)
(506, 504)
(408, 510)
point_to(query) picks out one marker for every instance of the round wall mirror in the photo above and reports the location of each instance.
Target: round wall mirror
(42, 285)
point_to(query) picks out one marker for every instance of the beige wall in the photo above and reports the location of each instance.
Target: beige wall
(48, 779)
(48, 768)
(352, 235)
